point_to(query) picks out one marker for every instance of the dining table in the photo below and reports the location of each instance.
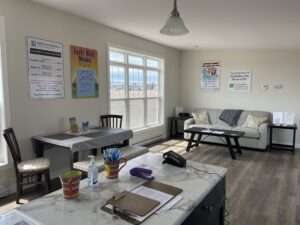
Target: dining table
(91, 139)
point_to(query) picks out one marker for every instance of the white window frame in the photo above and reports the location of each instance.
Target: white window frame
(4, 94)
(145, 68)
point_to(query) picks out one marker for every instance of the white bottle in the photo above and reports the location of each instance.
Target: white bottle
(92, 172)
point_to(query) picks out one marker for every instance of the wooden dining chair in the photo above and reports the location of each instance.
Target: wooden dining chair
(27, 172)
(111, 121)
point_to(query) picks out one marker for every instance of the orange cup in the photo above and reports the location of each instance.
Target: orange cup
(112, 168)
(70, 182)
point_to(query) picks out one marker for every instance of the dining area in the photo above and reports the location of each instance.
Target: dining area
(78, 142)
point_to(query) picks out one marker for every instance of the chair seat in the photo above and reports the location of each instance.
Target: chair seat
(34, 165)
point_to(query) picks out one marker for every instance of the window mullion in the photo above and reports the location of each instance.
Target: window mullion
(127, 91)
(145, 96)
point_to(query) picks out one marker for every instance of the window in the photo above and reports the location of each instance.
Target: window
(136, 88)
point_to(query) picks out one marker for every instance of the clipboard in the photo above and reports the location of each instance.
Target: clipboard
(147, 208)
(127, 202)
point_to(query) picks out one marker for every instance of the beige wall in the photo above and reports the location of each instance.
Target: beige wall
(31, 117)
(269, 67)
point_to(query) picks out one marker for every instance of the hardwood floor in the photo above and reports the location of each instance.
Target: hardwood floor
(262, 187)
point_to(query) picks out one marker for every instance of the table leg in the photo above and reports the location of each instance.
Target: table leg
(170, 128)
(270, 139)
(294, 141)
(71, 158)
(190, 142)
(38, 148)
(176, 128)
(237, 145)
(126, 143)
(232, 153)
(198, 140)
(94, 152)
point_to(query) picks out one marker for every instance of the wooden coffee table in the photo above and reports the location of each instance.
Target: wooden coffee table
(227, 134)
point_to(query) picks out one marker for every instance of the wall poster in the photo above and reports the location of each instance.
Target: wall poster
(84, 72)
(210, 75)
(239, 81)
(45, 68)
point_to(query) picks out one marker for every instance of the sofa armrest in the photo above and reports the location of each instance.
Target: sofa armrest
(188, 123)
(263, 127)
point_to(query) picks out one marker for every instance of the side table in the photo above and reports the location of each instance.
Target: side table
(272, 145)
(173, 126)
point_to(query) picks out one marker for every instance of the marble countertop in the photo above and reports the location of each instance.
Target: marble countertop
(196, 180)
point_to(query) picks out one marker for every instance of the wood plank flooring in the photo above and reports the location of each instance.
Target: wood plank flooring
(262, 187)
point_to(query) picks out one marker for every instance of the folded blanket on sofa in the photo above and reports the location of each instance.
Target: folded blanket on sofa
(231, 116)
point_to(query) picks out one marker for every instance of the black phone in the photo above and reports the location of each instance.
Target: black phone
(174, 159)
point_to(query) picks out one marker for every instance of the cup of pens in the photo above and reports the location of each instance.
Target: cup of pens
(113, 162)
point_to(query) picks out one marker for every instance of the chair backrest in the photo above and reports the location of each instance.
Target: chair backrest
(111, 121)
(13, 145)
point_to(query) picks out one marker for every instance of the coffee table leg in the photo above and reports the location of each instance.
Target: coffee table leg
(237, 145)
(198, 140)
(190, 142)
(232, 153)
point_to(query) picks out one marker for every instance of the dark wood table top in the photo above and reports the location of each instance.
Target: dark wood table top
(214, 132)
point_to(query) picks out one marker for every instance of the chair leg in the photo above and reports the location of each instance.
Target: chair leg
(48, 181)
(19, 189)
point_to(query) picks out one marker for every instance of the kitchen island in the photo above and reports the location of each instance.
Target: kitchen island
(203, 195)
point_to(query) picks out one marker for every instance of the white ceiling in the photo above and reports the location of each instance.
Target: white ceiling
(213, 23)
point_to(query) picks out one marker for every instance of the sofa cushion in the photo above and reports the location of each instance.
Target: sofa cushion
(245, 114)
(201, 117)
(249, 132)
(254, 121)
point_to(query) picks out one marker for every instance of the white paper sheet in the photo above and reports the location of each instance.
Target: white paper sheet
(16, 217)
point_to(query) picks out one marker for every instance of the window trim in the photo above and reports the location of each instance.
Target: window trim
(161, 71)
(5, 116)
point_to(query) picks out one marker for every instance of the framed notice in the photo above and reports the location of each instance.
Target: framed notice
(84, 72)
(45, 68)
(239, 81)
(210, 75)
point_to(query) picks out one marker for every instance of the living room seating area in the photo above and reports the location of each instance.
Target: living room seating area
(253, 123)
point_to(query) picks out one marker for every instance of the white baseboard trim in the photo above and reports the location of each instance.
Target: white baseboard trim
(149, 141)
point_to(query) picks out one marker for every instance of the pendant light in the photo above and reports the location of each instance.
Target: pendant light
(174, 25)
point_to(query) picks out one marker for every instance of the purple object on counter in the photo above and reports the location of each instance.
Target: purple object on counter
(142, 173)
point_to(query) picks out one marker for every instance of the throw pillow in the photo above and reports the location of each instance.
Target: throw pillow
(254, 121)
(201, 117)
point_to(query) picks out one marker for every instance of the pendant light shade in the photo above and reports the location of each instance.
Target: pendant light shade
(174, 25)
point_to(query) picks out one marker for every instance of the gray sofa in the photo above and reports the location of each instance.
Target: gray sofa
(254, 138)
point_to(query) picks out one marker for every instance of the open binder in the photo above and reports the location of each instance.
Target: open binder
(139, 204)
